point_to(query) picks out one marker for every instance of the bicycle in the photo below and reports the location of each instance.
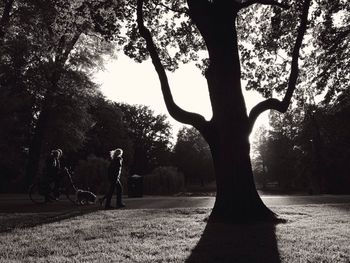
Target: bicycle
(41, 192)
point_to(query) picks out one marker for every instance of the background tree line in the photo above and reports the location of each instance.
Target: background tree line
(306, 150)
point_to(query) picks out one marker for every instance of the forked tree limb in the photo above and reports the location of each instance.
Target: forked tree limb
(194, 119)
(275, 104)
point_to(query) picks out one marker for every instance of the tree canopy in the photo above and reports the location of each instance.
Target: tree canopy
(150, 134)
(192, 156)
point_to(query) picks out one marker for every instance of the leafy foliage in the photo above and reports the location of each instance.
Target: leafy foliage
(192, 156)
(175, 35)
(163, 180)
(306, 149)
(150, 134)
(91, 174)
(48, 50)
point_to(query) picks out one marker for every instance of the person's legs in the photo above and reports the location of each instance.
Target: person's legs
(46, 189)
(102, 199)
(119, 194)
(56, 186)
(109, 194)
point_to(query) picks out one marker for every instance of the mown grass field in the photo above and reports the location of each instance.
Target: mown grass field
(313, 233)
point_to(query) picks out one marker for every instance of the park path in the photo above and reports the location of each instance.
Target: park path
(21, 203)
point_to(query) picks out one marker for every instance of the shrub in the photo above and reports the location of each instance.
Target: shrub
(91, 174)
(163, 180)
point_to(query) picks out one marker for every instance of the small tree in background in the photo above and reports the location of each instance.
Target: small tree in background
(107, 132)
(61, 31)
(91, 174)
(192, 156)
(163, 180)
(150, 134)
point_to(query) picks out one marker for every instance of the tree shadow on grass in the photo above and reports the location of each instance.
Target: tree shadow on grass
(236, 243)
(11, 221)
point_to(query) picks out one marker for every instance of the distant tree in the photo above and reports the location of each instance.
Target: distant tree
(107, 132)
(67, 126)
(151, 137)
(337, 144)
(275, 153)
(163, 180)
(192, 156)
(259, 155)
(43, 42)
(69, 114)
(305, 149)
(331, 54)
(323, 77)
(15, 120)
(66, 29)
(324, 142)
(91, 174)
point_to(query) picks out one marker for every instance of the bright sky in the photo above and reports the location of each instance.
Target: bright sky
(124, 80)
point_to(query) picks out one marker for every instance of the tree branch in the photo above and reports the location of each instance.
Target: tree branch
(275, 104)
(70, 47)
(174, 110)
(5, 18)
(339, 38)
(173, 9)
(247, 3)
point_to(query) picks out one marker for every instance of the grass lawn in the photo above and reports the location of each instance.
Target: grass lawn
(313, 233)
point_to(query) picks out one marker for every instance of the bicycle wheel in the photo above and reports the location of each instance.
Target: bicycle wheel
(35, 195)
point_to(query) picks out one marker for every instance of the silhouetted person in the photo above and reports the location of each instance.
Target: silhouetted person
(114, 171)
(52, 172)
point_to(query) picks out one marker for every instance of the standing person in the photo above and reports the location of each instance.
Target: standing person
(52, 173)
(114, 171)
(58, 175)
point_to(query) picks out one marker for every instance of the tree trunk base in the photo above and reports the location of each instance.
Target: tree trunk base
(239, 215)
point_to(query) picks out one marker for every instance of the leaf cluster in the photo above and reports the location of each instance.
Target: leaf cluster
(177, 39)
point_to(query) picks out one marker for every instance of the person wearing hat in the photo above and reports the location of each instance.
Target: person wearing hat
(114, 171)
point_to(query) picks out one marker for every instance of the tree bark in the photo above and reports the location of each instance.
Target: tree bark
(236, 199)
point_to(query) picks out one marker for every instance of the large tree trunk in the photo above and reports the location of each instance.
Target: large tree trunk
(40, 130)
(37, 142)
(237, 198)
